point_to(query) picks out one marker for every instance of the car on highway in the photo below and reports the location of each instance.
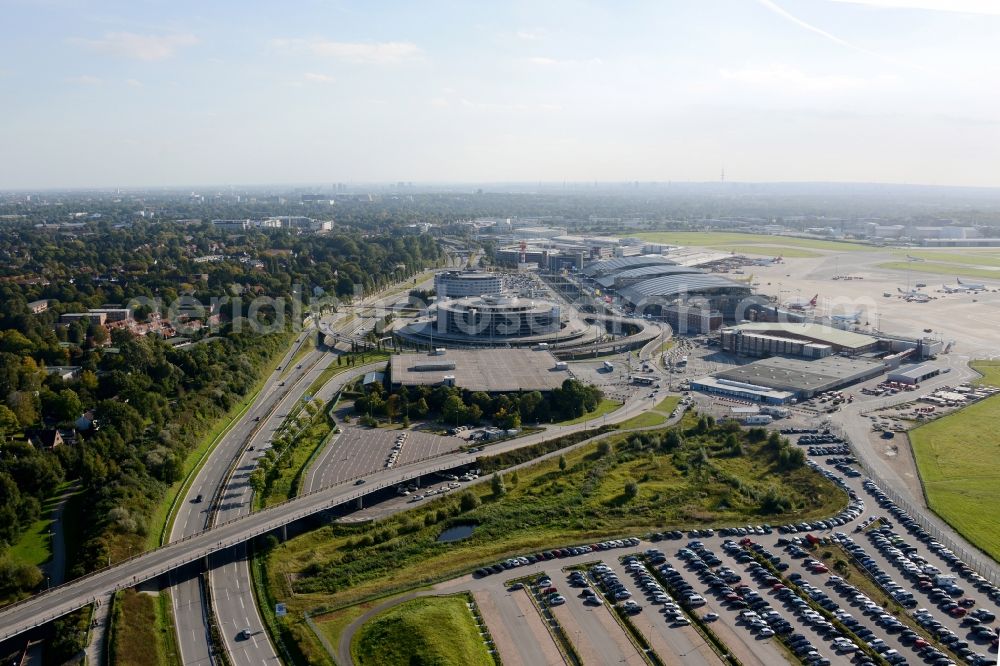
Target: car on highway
(359, 482)
(198, 499)
(245, 633)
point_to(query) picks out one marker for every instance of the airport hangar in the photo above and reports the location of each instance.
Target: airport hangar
(487, 370)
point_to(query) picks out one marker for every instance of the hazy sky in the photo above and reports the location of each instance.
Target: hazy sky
(149, 92)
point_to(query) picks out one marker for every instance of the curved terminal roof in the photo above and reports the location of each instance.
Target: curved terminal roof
(605, 266)
(645, 272)
(674, 285)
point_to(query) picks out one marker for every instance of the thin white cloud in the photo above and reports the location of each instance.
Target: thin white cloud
(139, 47)
(85, 80)
(528, 35)
(133, 83)
(988, 7)
(543, 61)
(785, 78)
(314, 77)
(379, 53)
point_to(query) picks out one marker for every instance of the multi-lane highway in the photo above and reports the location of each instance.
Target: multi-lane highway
(193, 514)
(232, 593)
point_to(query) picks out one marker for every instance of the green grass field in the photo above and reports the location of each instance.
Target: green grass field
(950, 271)
(605, 406)
(644, 420)
(333, 370)
(143, 630)
(953, 456)
(699, 483)
(656, 416)
(307, 346)
(720, 239)
(34, 546)
(769, 251)
(428, 630)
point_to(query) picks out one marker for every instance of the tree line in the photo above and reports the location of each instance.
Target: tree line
(458, 406)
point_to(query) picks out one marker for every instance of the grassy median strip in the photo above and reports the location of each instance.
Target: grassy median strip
(635, 636)
(711, 639)
(345, 365)
(556, 631)
(830, 617)
(860, 578)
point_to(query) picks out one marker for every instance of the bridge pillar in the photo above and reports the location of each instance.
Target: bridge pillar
(361, 503)
(284, 532)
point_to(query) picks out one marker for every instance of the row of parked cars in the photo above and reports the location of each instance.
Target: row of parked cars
(656, 593)
(514, 562)
(807, 615)
(953, 560)
(979, 632)
(932, 655)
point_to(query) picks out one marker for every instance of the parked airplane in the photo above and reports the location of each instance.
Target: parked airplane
(801, 303)
(972, 286)
(847, 317)
(909, 258)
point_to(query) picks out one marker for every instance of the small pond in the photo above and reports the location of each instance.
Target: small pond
(456, 533)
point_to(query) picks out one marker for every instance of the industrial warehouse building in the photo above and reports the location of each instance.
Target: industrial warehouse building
(914, 374)
(488, 370)
(742, 390)
(806, 339)
(459, 284)
(803, 378)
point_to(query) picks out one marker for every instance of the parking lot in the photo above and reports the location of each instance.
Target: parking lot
(358, 451)
(769, 594)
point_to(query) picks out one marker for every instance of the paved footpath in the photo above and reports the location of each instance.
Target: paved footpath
(95, 649)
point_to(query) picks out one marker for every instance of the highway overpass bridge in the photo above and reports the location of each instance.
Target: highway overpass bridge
(35, 611)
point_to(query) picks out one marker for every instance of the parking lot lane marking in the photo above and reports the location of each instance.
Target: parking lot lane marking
(536, 634)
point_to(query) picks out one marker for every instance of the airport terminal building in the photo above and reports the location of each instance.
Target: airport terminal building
(459, 284)
(492, 317)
